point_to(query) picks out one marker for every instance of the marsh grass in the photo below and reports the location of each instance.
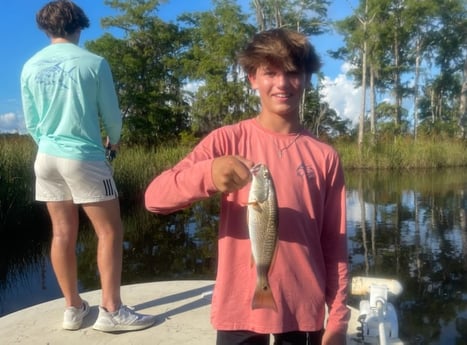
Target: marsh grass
(136, 166)
(404, 154)
(17, 184)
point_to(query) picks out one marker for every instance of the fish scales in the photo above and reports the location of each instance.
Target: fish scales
(263, 230)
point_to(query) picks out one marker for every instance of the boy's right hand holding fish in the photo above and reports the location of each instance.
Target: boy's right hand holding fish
(230, 173)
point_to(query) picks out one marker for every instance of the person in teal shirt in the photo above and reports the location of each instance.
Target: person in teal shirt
(67, 92)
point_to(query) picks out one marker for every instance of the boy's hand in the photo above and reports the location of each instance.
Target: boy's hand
(110, 150)
(334, 338)
(230, 173)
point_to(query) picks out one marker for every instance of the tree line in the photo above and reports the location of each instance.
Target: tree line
(180, 79)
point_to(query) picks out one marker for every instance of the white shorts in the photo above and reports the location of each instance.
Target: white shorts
(60, 179)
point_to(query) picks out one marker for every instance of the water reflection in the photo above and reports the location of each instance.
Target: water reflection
(411, 227)
(415, 231)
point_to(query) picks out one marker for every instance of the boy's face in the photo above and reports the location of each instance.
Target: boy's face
(279, 91)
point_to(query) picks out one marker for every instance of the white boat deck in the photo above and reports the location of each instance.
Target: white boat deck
(182, 308)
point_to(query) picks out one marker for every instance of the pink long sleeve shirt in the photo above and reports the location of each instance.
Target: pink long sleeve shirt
(310, 267)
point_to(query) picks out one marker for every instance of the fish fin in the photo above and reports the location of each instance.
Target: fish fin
(247, 203)
(255, 205)
(263, 298)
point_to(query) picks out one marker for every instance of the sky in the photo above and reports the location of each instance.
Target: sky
(21, 39)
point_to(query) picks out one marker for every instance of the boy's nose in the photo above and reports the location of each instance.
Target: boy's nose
(282, 79)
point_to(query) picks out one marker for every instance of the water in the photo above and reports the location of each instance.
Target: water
(410, 227)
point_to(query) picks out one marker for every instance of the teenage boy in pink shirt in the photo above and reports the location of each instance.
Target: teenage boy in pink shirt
(310, 269)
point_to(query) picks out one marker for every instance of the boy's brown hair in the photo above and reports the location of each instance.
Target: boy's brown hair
(283, 48)
(61, 18)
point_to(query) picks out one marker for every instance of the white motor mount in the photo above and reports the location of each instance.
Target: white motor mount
(378, 317)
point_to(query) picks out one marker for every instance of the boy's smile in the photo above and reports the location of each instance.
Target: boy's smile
(280, 91)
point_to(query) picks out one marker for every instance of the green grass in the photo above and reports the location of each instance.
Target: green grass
(16, 178)
(404, 154)
(136, 166)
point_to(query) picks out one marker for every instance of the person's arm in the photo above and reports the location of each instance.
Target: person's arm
(109, 109)
(31, 117)
(177, 188)
(199, 175)
(334, 244)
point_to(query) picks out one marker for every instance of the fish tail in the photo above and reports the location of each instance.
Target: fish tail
(263, 297)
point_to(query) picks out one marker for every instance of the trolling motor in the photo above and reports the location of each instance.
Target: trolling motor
(377, 316)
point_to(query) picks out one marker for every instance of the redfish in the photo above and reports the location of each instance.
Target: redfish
(263, 229)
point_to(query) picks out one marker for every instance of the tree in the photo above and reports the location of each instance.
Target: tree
(421, 15)
(449, 47)
(222, 96)
(307, 16)
(463, 105)
(356, 33)
(386, 40)
(319, 118)
(396, 39)
(147, 77)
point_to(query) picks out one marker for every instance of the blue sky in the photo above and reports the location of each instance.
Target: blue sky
(21, 39)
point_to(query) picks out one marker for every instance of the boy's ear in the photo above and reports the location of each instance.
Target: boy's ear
(252, 80)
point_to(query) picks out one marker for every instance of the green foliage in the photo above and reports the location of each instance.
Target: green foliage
(182, 77)
(439, 101)
(307, 16)
(148, 81)
(216, 38)
(395, 35)
(188, 139)
(320, 119)
(136, 165)
(17, 153)
(442, 130)
(403, 153)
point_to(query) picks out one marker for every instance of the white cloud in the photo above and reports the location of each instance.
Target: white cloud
(341, 95)
(12, 123)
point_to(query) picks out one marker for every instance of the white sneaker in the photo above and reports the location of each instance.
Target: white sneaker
(124, 319)
(73, 317)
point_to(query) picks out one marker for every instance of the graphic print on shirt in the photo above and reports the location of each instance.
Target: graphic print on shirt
(55, 74)
(305, 170)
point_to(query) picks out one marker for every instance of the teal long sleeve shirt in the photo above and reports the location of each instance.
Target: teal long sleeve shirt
(67, 93)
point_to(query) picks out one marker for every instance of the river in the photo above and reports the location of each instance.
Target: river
(408, 226)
